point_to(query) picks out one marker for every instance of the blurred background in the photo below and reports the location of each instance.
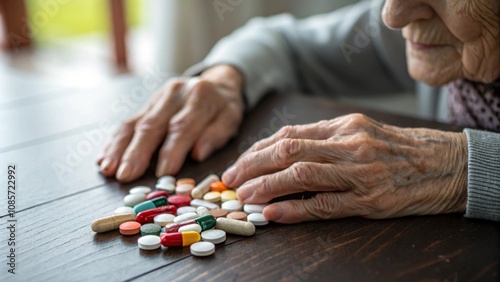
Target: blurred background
(88, 42)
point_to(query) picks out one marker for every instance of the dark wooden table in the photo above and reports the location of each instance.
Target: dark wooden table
(54, 137)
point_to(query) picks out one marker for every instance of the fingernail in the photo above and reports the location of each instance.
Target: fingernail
(105, 164)
(273, 212)
(244, 192)
(205, 150)
(229, 175)
(124, 171)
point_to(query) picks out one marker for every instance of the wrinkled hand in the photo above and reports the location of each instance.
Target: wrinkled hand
(189, 114)
(358, 166)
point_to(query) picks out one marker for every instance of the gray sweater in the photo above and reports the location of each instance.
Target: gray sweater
(346, 52)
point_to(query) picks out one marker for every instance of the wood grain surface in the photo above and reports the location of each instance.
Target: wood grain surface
(54, 241)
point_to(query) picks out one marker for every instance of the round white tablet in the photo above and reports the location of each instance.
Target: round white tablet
(149, 242)
(190, 227)
(253, 208)
(166, 179)
(164, 219)
(124, 210)
(184, 189)
(169, 187)
(133, 199)
(185, 217)
(140, 189)
(214, 236)
(257, 219)
(232, 205)
(202, 249)
(186, 209)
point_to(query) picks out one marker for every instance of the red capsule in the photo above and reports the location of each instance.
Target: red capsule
(179, 239)
(156, 194)
(149, 215)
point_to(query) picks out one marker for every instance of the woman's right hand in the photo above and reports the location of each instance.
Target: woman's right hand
(197, 115)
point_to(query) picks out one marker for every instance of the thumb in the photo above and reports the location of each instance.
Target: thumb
(322, 206)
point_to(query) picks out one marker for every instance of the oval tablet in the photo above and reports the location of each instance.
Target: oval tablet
(186, 217)
(232, 205)
(166, 179)
(184, 189)
(179, 200)
(185, 209)
(218, 186)
(212, 197)
(218, 213)
(181, 181)
(130, 228)
(202, 203)
(164, 219)
(133, 199)
(149, 242)
(156, 194)
(201, 211)
(215, 236)
(253, 208)
(150, 229)
(124, 210)
(169, 187)
(140, 189)
(228, 195)
(191, 227)
(257, 219)
(202, 249)
(238, 215)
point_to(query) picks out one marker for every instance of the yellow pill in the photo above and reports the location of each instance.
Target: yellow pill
(212, 197)
(228, 195)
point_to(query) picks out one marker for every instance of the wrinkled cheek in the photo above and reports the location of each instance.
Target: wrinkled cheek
(482, 63)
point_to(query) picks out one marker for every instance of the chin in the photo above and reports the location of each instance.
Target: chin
(432, 74)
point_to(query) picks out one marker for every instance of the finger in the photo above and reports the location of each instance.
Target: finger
(187, 126)
(114, 150)
(276, 157)
(300, 177)
(224, 127)
(321, 206)
(149, 132)
(306, 131)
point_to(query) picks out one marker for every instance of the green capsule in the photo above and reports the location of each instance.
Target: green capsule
(151, 204)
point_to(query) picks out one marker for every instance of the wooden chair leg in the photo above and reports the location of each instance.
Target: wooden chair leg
(119, 29)
(15, 24)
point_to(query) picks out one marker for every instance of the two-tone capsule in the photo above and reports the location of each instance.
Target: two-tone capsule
(151, 204)
(206, 222)
(148, 216)
(179, 239)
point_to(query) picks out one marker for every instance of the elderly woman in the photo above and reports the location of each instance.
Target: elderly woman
(359, 166)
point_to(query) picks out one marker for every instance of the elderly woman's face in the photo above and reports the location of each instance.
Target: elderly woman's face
(448, 39)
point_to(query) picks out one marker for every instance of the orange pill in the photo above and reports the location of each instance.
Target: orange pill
(185, 181)
(218, 186)
(130, 228)
(218, 213)
(238, 215)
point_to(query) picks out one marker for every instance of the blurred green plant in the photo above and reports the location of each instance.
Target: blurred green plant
(52, 19)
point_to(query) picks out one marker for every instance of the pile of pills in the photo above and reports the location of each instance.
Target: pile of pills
(183, 213)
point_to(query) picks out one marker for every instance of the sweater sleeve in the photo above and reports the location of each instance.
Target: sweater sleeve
(348, 52)
(483, 188)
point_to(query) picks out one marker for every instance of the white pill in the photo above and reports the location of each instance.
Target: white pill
(253, 208)
(185, 217)
(201, 203)
(187, 209)
(149, 242)
(201, 211)
(190, 227)
(184, 189)
(140, 189)
(169, 187)
(133, 199)
(164, 219)
(166, 179)
(232, 205)
(124, 210)
(202, 249)
(204, 186)
(257, 219)
(215, 236)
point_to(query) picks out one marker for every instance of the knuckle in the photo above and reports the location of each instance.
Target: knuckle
(149, 123)
(302, 174)
(325, 206)
(288, 150)
(285, 132)
(181, 124)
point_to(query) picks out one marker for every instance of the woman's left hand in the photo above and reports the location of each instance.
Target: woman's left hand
(359, 167)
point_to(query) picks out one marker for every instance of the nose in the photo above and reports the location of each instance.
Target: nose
(399, 13)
